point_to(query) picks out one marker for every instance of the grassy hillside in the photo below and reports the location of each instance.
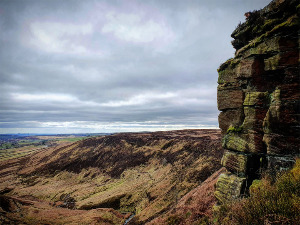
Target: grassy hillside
(140, 174)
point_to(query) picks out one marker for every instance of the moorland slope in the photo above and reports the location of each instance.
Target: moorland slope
(106, 179)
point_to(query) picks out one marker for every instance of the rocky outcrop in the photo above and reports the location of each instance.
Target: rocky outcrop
(259, 98)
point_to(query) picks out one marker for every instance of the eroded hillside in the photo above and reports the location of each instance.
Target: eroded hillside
(104, 180)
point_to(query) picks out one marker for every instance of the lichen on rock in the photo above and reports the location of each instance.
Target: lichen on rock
(259, 97)
(229, 186)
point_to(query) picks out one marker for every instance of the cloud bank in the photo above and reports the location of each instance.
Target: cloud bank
(112, 66)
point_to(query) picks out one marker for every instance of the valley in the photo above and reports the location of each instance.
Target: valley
(107, 179)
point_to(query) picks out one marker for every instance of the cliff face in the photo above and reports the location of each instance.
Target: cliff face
(258, 96)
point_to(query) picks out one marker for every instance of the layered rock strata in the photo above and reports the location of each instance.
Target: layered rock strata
(258, 96)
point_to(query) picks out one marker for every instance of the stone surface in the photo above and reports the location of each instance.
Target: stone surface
(250, 142)
(259, 96)
(227, 75)
(280, 163)
(278, 144)
(266, 47)
(229, 186)
(241, 164)
(250, 67)
(255, 99)
(235, 162)
(254, 118)
(231, 117)
(229, 98)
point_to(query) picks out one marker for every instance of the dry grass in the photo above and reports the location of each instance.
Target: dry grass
(195, 207)
(18, 211)
(145, 174)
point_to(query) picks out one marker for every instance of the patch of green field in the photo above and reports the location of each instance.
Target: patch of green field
(13, 153)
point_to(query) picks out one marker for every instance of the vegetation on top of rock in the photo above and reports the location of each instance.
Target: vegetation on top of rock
(225, 64)
(259, 22)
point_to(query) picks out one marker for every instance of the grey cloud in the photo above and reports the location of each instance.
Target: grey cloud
(60, 49)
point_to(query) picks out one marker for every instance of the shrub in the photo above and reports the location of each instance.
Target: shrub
(173, 220)
(269, 203)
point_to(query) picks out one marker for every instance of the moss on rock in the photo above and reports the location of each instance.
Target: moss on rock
(255, 98)
(229, 186)
(235, 162)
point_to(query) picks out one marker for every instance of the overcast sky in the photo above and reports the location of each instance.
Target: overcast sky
(112, 66)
